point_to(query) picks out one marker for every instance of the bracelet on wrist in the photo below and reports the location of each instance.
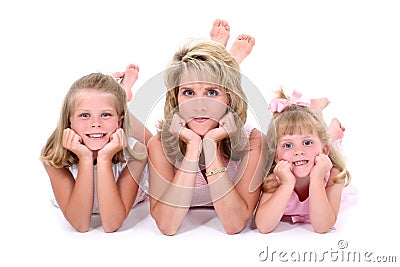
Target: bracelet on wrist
(219, 170)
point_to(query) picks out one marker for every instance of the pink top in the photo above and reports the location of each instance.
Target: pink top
(201, 194)
(298, 211)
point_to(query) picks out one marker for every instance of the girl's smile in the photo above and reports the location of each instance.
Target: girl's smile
(300, 150)
(94, 118)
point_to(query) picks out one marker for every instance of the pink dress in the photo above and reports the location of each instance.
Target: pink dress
(298, 211)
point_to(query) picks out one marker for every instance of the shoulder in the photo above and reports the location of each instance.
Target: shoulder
(154, 142)
(139, 147)
(334, 172)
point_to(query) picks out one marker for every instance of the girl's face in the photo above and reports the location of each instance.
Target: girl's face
(94, 118)
(202, 105)
(300, 150)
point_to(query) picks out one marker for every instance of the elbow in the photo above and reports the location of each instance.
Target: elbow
(166, 230)
(112, 224)
(234, 228)
(111, 227)
(81, 229)
(321, 230)
(265, 229)
(166, 227)
(80, 226)
(263, 226)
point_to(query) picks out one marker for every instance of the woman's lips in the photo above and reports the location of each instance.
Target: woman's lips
(200, 119)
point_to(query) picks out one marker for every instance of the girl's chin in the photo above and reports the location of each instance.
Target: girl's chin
(301, 174)
(95, 146)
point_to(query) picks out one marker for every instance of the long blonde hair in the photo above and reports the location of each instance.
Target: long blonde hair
(294, 119)
(53, 153)
(210, 62)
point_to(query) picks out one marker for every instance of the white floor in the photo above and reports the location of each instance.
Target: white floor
(347, 51)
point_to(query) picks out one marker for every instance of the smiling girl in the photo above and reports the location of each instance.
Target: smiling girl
(87, 154)
(204, 154)
(306, 181)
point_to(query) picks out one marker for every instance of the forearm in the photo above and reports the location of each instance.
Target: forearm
(78, 210)
(112, 210)
(171, 200)
(270, 212)
(231, 208)
(321, 213)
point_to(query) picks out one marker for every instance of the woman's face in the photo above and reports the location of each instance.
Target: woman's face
(202, 105)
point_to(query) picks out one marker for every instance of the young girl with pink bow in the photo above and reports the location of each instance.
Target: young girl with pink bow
(307, 177)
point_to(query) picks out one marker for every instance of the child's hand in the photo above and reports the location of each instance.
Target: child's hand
(322, 165)
(178, 128)
(283, 170)
(73, 142)
(116, 144)
(226, 127)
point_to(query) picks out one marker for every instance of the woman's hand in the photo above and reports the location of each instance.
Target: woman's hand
(226, 127)
(73, 142)
(178, 128)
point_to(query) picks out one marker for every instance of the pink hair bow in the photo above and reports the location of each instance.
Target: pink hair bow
(279, 104)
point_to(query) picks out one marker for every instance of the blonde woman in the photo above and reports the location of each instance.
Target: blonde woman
(204, 154)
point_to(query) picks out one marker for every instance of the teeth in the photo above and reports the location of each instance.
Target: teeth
(298, 163)
(96, 135)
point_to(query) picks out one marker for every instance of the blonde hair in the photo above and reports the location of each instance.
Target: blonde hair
(206, 61)
(294, 119)
(53, 153)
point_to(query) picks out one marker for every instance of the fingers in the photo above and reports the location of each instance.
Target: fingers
(70, 139)
(228, 123)
(118, 138)
(177, 124)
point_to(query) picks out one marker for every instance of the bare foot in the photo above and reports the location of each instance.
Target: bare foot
(220, 32)
(127, 79)
(336, 129)
(242, 47)
(319, 104)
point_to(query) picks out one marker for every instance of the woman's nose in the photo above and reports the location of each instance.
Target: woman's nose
(199, 104)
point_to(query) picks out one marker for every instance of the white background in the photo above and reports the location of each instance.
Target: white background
(348, 51)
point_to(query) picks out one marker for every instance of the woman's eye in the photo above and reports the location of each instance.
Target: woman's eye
(288, 145)
(212, 93)
(187, 92)
(308, 143)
